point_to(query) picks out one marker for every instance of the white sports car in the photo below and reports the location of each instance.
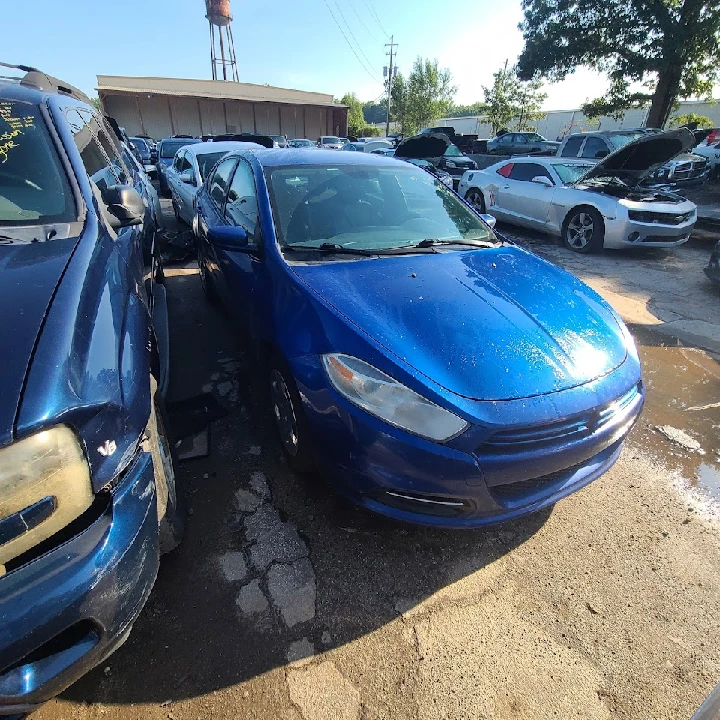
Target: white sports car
(590, 206)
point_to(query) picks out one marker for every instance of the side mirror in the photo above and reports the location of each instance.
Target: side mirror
(228, 237)
(187, 177)
(125, 205)
(602, 153)
(542, 180)
(489, 220)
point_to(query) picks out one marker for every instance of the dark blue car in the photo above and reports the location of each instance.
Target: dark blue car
(87, 490)
(433, 372)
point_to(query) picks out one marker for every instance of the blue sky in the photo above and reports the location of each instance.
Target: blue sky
(282, 43)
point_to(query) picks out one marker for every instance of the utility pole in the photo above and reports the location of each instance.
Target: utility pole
(392, 45)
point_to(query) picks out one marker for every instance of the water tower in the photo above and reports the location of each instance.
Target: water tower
(220, 18)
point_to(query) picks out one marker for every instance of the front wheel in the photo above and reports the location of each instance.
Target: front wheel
(475, 198)
(584, 230)
(289, 417)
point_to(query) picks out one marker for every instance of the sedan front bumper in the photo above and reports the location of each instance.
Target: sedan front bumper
(469, 482)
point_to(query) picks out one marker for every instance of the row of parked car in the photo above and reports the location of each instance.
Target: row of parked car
(369, 293)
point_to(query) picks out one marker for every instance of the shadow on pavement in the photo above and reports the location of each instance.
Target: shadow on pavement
(191, 638)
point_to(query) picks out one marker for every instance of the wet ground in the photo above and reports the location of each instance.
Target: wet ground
(285, 602)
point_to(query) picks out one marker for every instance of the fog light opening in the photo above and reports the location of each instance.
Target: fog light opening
(633, 236)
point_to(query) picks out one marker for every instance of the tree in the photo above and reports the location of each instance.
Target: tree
(692, 120)
(398, 102)
(476, 108)
(95, 102)
(374, 112)
(669, 47)
(528, 103)
(426, 95)
(356, 119)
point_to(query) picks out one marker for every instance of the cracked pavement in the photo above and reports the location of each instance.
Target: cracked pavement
(283, 601)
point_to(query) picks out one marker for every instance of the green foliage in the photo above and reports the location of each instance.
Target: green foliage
(477, 108)
(670, 47)
(356, 119)
(425, 96)
(375, 112)
(371, 131)
(511, 99)
(95, 102)
(691, 120)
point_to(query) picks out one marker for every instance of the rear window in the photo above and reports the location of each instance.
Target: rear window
(207, 162)
(169, 148)
(331, 141)
(34, 188)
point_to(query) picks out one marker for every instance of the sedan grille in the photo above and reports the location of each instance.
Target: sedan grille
(574, 428)
(661, 218)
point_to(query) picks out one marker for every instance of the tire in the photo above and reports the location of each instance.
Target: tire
(474, 197)
(584, 230)
(288, 415)
(171, 506)
(176, 212)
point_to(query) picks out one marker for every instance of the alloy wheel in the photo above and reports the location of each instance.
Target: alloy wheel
(284, 412)
(475, 198)
(580, 230)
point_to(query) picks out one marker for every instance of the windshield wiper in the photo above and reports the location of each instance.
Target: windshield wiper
(335, 249)
(429, 242)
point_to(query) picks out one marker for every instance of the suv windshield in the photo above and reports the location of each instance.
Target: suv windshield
(208, 161)
(168, 148)
(331, 141)
(367, 207)
(618, 140)
(34, 188)
(453, 151)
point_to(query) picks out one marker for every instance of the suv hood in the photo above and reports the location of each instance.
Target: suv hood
(428, 146)
(483, 324)
(640, 158)
(30, 274)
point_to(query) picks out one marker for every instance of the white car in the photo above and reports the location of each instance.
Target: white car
(712, 153)
(589, 205)
(191, 165)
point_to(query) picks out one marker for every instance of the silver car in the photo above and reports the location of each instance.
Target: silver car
(190, 167)
(589, 205)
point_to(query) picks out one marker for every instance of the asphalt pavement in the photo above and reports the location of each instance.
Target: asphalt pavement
(284, 601)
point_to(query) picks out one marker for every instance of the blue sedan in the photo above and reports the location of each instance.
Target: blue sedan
(430, 370)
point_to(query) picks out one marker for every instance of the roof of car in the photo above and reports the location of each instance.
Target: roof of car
(279, 157)
(35, 86)
(206, 148)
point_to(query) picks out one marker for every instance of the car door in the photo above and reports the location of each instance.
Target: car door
(185, 192)
(528, 202)
(244, 268)
(571, 148)
(211, 213)
(172, 172)
(519, 144)
(496, 189)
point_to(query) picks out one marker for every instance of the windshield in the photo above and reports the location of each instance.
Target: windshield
(420, 163)
(618, 140)
(367, 207)
(168, 148)
(453, 151)
(208, 161)
(139, 144)
(571, 173)
(34, 188)
(331, 141)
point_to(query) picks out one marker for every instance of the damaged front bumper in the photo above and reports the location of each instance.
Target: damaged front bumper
(67, 610)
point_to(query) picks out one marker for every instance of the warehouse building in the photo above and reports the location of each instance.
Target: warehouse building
(161, 107)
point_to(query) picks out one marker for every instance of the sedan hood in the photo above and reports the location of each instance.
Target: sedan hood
(30, 274)
(424, 147)
(495, 324)
(639, 159)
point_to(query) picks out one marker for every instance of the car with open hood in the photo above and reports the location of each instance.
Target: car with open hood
(683, 169)
(438, 149)
(87, 488)
(590, 205)
(429, 369)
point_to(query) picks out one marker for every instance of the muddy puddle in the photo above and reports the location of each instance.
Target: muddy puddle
(683, 400)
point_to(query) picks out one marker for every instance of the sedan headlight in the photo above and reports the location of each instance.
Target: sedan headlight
(389, 400)
(44, 485)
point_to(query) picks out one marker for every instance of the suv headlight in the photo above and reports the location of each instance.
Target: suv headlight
(450, 163)
(44, 486)
(391, 401)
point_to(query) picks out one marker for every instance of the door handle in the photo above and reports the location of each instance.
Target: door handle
(506, 187)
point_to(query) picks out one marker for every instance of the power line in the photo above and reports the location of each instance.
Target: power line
(374, 14)
(352, 34)
(348, 42)
(362, 22)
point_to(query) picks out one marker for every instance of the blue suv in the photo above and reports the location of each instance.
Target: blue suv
(87, 489)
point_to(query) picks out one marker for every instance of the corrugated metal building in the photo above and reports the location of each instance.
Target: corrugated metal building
(161, 107)
(558, 123)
